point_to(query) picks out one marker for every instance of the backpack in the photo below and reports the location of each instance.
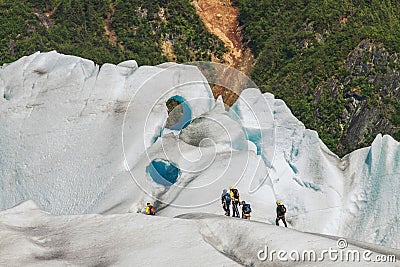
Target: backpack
(235, 193)
(152, 210)
(247, 209)
(282, 209)
(227, 197)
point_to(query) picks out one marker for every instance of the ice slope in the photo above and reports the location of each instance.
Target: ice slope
(301, 165)
(372, 193)
(62, 118)
(77, 139)
(357, 196)
(31, 237)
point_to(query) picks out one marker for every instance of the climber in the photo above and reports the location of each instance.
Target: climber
(280, 213)
(246, 210)
(226, 201)
(235, 201)
(150, 209)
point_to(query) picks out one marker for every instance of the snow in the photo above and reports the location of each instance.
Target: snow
(32, 237)
(35, 238)
(78, 140)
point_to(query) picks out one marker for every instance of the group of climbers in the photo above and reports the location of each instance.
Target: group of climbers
(232, 197)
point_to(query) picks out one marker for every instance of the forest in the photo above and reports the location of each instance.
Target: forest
(106, 30)
(302, 50)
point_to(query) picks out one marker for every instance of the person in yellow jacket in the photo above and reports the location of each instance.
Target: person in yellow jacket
(150, 209)
(235, 201)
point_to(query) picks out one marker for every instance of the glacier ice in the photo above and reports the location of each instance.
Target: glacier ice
(31, 237)
(77, 138)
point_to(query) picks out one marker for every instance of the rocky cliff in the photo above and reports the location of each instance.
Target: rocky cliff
(371, 95)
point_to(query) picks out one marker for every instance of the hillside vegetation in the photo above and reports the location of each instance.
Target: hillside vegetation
(334, 63)
(148, 31)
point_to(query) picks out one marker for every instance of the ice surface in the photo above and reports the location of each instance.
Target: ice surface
(62, 126)
(77, 138)
(34, 238)
(372, 193)
(31, 237)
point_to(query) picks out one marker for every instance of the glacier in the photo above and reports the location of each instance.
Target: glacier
(32, 237)
(78, 139)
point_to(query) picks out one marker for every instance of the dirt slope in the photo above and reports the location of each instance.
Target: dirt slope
(221, 19)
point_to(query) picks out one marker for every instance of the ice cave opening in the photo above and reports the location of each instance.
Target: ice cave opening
(163, 172)
(179, 113)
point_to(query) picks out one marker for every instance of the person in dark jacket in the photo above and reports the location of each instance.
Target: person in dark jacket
(226, 201)
(246, 210)
(280, 213)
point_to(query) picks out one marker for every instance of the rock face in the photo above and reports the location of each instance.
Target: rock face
(372, 95)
